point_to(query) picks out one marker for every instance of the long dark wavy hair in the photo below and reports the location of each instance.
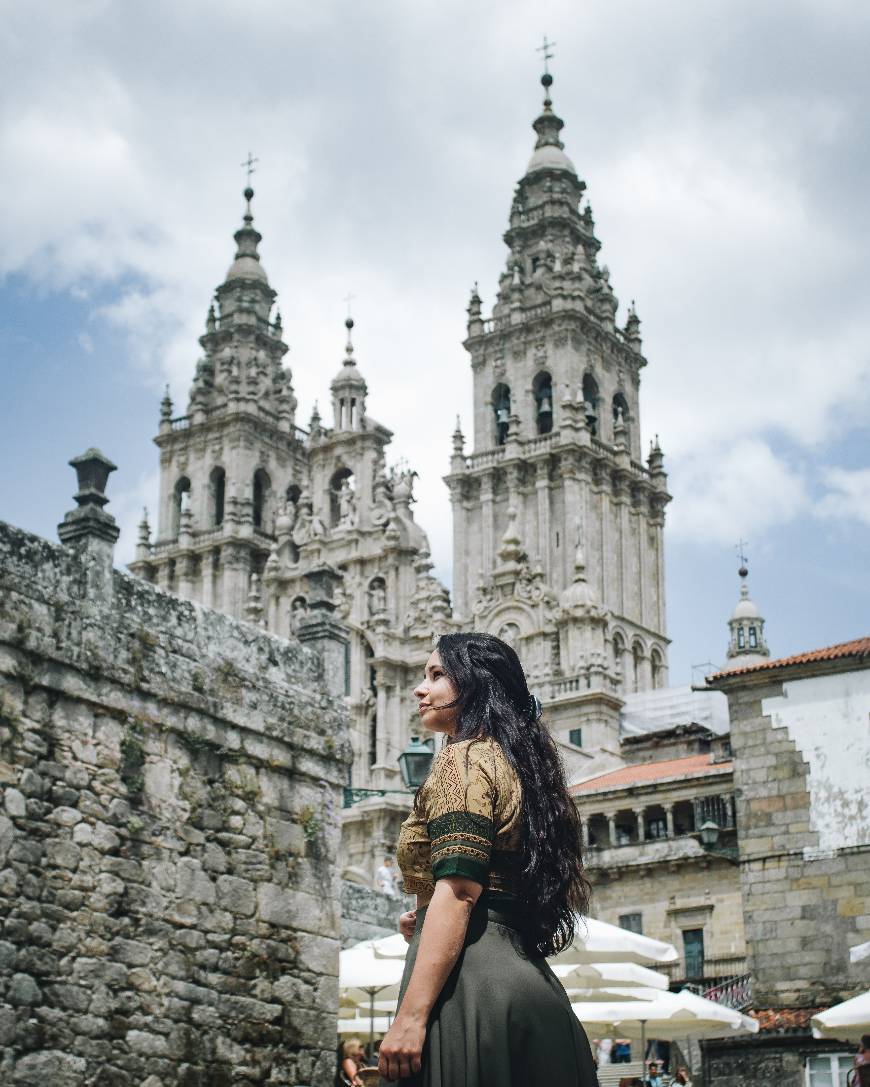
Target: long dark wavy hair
(494, 701)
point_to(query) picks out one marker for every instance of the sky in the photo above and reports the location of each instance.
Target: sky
(725, 150)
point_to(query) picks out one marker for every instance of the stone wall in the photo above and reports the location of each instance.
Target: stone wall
(803, 906)
(804, 903)
(367, 914)
(169, 790)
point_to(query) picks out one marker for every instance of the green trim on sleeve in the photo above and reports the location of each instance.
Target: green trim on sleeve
(461, 865)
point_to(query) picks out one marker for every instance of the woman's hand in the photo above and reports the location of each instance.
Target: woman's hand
(402, 1048)
(407, 924)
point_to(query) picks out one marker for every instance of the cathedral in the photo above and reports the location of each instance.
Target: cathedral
(557, 515)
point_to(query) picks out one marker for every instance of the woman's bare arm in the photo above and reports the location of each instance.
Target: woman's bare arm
(442, 939)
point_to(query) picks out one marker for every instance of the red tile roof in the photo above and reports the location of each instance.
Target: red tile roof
(640, 774)
(859, 648)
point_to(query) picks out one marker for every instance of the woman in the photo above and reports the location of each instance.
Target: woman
(492, 852)
(352, 1057)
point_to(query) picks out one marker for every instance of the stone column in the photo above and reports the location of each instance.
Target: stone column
(584, 833)
(88, 529)
(321, 631)
(611, 824)
(542, 490)
(486, 515)
(641, 834)
(669, 816)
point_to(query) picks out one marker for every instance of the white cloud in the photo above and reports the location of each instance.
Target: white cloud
(750, 491)
(848, 497)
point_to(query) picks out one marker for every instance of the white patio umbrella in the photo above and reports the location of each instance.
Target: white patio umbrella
(594, 942)
(361, 976)
(670, 1016)
(846, 1021)
(598, 942)
(378, 1025)
(593, 975)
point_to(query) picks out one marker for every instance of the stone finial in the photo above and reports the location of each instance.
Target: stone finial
(632, 329)
(254, 605)
(143, 543)
(88, 528)
(166, 411)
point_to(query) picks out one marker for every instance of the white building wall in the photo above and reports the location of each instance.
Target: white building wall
(828, 719)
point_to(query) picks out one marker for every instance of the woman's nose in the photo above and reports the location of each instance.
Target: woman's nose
(420, 691)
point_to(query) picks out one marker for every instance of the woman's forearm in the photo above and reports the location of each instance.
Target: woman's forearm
(440, 944)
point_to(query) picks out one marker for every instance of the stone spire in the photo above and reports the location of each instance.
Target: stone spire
(746, 627)
(349, 389)
(243, 346)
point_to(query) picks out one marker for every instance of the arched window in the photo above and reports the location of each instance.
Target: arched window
(292, 494)
(262, 489)
(620, 408)
(618, 657)
(591, 398)
(741, 638)
(753, 638)
(636, 659)
(180, 501)
(501, 405)
(373, 739)
(340, 495)
(542, 388)
(217, 485)
(657, 665)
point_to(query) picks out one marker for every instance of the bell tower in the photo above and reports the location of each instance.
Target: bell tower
(558, 518)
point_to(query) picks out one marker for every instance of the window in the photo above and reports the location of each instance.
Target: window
(590, 396)
(753, 638)
(542, 389)
(575, 737)
(631, 922)
(217, 491)
(741, 638)
(180, 501)
(501, 405)
(373, 740)
(620, 409)
(828, 1070)
(658, 670)
(657, 828)
(261, 488)
(693, 952)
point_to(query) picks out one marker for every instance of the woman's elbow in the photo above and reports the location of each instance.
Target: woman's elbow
(466, 891)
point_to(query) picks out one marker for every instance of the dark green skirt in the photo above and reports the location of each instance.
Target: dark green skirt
(502, 1019)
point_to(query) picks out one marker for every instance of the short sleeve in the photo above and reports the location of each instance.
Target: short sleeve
(459, 805)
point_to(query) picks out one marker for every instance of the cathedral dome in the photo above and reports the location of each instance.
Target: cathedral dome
(247, 267)
(746, 609)
(550, 157)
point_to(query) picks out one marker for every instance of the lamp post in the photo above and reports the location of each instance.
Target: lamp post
(414, 764)
(709, 834)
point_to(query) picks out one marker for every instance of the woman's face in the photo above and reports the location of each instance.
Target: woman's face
(433, 696)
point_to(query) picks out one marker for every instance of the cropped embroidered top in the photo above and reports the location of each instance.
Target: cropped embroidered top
(468, 822)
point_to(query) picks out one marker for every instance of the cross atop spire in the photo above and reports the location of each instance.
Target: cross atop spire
(740, 548)
(249, 165)
(544, 50)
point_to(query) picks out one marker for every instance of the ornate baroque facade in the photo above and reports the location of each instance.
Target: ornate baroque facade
(293, 528)
(557, 519)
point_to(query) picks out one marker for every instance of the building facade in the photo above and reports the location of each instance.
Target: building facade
(300, 531)
(557, 518)
(801, 748)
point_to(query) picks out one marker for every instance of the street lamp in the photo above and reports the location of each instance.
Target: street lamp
(709, 834)
(415, 762)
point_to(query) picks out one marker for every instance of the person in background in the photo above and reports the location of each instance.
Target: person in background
(352, 1058)
(385, 877)
(682, 1077)
(862, 1062)
(653, 1076)
(604, 1050)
